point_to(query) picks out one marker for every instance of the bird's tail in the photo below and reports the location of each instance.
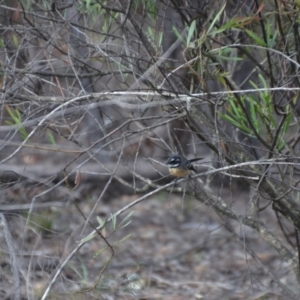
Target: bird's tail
(195, 159)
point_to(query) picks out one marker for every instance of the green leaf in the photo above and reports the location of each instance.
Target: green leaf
(101, 222)
(17, 120)
(51, 138)
(123, 239)
(87, 239)
(258, 107)
(151, 8)
(231, 24)
(271, 41)
(288, 120)
(160, 38)
(126, 224)
(144, 112)
(216, 18)
(253, 114)
(237, 124)
(178, 34)
(150, 33)
(191, 32)
(236, 23)
(256, 38)
(126, 218)
(113, 221)
(226, 58)
(100, 252)
(264, 84)
(280, 144)
(233, 106)
(88, 3)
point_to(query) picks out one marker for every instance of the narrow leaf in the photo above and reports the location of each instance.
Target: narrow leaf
(191, 32)
(256, 38)
(216, 18)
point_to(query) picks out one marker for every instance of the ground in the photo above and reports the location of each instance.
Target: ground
(178, 249)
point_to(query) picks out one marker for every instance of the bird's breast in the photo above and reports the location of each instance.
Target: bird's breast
(179, 172)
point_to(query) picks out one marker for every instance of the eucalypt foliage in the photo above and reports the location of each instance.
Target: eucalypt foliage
(259, 116)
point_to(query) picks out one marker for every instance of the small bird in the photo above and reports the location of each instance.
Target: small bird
(179, 166)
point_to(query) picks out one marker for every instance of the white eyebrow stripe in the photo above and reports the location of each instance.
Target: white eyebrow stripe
(174, 165)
